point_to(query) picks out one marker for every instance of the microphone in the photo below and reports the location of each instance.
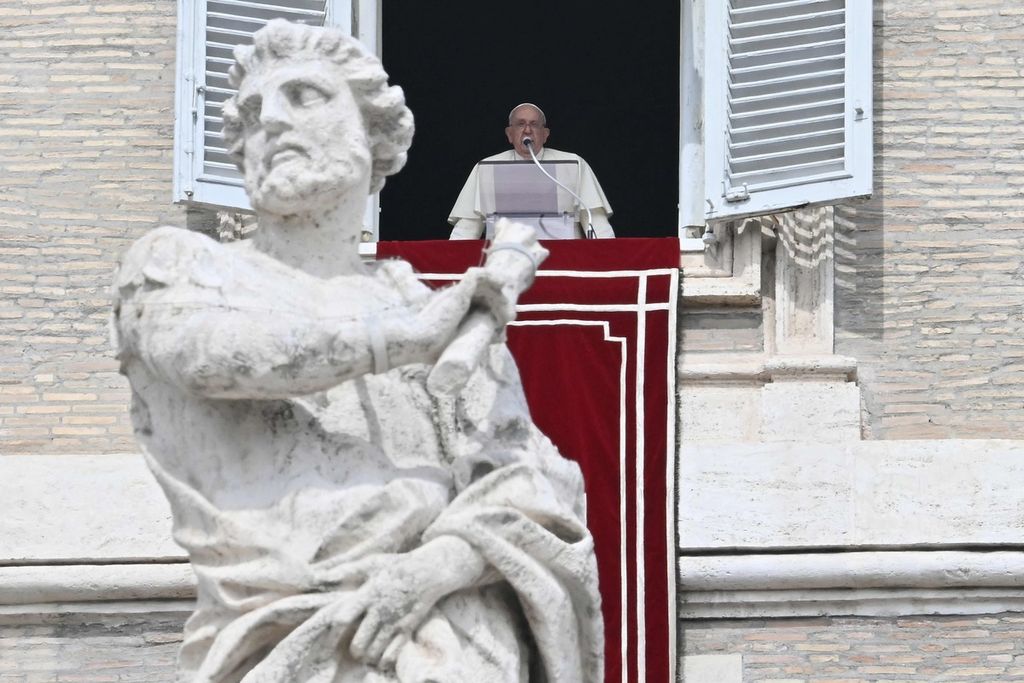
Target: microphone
(589, 233)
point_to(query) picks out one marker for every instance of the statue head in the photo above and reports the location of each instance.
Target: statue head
(314, 118)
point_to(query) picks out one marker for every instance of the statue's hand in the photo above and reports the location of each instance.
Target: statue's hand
(513, 257)
(395, 601)
(512, 262)
(433, 327)
(495, 295)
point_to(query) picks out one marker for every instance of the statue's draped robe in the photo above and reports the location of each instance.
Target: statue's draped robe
(277, 489)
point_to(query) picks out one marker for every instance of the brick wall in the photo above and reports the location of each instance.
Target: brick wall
(929, 277)
(81, 648)
(135, 649)
(86, 129)
(858, 650)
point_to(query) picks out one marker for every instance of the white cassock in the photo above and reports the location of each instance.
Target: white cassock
(468, 216)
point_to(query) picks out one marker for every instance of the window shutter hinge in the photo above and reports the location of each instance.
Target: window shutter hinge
(737, 194)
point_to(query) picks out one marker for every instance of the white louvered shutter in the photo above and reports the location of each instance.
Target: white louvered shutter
(208, 31)
(788, 104)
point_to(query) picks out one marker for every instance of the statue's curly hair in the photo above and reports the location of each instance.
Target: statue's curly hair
(390, 122)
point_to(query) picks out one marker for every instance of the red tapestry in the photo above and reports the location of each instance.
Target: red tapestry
(595, 344)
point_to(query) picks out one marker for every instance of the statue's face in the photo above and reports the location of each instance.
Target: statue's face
(526, 123)
(305, 143)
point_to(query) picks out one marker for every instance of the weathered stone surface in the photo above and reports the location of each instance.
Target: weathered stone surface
(73, 510)
(346, 520)
(795, 410)
(712, 668)
(869, 493)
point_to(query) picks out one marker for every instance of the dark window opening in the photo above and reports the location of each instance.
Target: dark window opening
(606, 75)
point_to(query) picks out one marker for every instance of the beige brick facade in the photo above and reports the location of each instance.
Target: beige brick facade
(929, 287)
(985, 648)
(89, 648)
(85, 163)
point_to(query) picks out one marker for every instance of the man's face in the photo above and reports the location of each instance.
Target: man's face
(305, 142)
(526, 122)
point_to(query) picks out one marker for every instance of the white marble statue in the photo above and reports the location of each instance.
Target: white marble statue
(345, 521)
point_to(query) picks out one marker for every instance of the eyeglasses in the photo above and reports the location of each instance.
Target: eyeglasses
(527, 124)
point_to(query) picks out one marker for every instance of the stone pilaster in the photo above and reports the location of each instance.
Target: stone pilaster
(809, 391)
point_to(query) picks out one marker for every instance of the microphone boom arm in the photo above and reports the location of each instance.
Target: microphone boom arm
(590, 234)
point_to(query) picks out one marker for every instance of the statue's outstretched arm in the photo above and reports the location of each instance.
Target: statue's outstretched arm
(266, 334)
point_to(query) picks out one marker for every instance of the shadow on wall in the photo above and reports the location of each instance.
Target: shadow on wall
(799, 233)
(860, 234)
(859, 293)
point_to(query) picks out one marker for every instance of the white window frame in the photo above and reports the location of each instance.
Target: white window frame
(704, 117)
(359, 18)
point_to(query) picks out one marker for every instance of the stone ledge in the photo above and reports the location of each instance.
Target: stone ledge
(782, 367)
(877, 583)
(65, 613)
(35, 585)
(876, 602)
(760, 369)
(878, 569)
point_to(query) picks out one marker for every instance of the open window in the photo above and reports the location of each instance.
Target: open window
(775, 101)
(776, 106)
(208, 31)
